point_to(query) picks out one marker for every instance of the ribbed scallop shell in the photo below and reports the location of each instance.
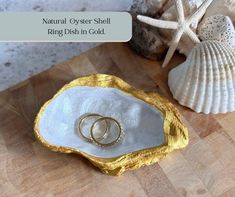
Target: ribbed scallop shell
(205, 82)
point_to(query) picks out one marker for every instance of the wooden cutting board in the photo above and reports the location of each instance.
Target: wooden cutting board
(205, 168)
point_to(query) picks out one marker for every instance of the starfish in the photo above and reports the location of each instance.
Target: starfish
(181, 26)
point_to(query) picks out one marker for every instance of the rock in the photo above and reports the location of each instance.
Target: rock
(146, 39)
(147, 42)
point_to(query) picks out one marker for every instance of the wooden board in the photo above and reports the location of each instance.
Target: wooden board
(205, 168)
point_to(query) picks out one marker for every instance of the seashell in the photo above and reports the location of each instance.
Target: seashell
(218, 28)
(205, 82)
(137, 111)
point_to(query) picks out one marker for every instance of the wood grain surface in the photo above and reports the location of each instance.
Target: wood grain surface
(205, 168)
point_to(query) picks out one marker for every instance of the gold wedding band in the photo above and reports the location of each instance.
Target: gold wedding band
(115, 141)
(89, 139)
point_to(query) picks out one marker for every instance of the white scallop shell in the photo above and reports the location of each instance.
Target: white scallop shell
(205, 82)
(218, 27)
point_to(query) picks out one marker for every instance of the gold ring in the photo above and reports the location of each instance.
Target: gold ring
(89, 139)
(115, 141)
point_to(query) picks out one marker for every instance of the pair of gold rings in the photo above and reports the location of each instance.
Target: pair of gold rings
(102, 138)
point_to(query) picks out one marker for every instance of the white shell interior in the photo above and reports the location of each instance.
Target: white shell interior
(141, 122)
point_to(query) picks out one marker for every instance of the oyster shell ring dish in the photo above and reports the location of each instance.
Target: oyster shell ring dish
(103, 135)
(75, 120)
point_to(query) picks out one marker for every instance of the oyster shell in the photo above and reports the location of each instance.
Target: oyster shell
(205, 82)
(152, 125)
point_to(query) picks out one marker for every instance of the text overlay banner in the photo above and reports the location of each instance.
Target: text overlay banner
(65, 26)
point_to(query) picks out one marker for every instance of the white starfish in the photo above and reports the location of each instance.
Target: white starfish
(182, 25)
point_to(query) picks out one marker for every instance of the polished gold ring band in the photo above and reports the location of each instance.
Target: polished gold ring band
(115, 141)
(89, 139)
